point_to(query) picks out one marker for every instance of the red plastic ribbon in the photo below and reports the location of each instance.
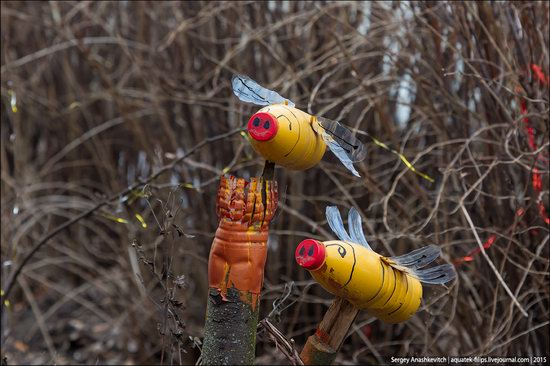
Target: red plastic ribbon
(540, 75)
(536, 177)
(470, 256)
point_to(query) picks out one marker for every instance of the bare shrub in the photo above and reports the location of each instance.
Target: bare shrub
(100, 96)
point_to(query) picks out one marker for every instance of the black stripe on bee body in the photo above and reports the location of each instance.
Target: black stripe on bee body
(399, 307)
(404, 296)
(394, 286)
(299, 133)
(290, 110)
(407, 283)
(381, 285)
(288, 119)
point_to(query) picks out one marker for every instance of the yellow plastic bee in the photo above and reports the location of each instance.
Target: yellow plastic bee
(387, 287)
(289, 137)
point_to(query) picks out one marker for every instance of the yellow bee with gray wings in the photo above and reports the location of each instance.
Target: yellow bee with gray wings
(291, 138)
(389, 288)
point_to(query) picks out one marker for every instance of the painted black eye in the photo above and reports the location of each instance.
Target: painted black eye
(266, 125)
(342, 251)
(310, 251)
(301, 252)
(256, 122)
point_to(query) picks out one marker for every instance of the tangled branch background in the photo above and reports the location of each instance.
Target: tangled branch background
(118, 118)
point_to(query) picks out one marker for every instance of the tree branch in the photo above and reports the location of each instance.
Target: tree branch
(12, 279)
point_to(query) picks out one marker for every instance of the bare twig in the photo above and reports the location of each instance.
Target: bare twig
(281, 343)
(114, 197)
(499, 277)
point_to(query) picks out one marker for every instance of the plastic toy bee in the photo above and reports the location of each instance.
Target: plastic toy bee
(289, 137)
(387, 287)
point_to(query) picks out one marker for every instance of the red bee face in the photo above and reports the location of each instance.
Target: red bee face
(310, 254)
(262, 126)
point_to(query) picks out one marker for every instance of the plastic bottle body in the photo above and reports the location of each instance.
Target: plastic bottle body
(360, 276)
(239, 250)
(236, 269)
(293, 144)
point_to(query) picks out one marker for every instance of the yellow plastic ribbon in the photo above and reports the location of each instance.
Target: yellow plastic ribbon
(403, 159)
(13, 101)
(115, 219)
(141, 221)
(6, 301)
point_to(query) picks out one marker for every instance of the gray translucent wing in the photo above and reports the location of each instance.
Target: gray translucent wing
(418, 258)
(339, 152)
(353, 148)
(356, 228)
(335, 222)
(249, 91)
(436, 275)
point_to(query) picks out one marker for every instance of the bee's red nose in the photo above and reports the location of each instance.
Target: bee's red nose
(262, 126)
(310, 254)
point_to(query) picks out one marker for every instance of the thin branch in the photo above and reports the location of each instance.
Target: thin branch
(65, 225)
(282, 344)
(478, 240)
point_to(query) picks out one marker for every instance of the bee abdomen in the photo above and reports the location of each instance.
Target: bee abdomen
(398, 296)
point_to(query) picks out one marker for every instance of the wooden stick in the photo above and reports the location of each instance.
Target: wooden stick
(322, 347)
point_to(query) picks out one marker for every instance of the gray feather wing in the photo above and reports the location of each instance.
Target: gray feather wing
(249, 91)
(418, 258)
(355, 228)
(335, 222)
(436, 275)
(339, 152)
(412, 263)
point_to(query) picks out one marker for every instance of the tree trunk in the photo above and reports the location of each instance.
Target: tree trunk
(236, 270)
